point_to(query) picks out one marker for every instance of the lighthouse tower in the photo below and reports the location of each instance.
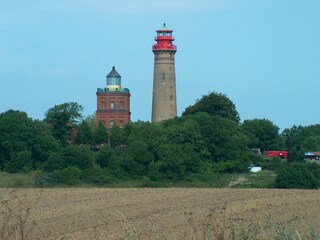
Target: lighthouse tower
(164, 104)
(113, 102)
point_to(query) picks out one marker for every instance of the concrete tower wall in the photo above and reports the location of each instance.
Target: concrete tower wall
(164, 104)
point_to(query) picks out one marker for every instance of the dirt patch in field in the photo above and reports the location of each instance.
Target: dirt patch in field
(80, 213)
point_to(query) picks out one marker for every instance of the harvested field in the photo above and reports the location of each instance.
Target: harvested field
(172, 213)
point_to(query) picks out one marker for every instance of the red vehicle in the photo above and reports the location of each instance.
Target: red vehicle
(273, 153)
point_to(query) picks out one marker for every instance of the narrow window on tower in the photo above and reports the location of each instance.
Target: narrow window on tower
(112, 105)
(163, 77)
(103, 104)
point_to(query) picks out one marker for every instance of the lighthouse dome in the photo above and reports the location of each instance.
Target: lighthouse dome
(114, 80)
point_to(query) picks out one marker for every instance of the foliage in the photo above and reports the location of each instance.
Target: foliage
(103, 157)
(46, 179)
(300, 139)
(20, 162)
(25, 144)
(62, 120)
(117, 137)
(207, 140)
(76, 156)
(293, 138)
(223, 138)
(268, 163)
(69, 175)
(14, 180)
(100, 135)
(215, 104)
(299, 175)
(99, 176)
(84, 133)
(262, 134)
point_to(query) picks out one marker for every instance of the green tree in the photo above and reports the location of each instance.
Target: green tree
(215, 104)
(91, 120)
(311, 143)
(20, 162)
(19, 133)
(117, 137)
(170, 161)
(100, 135)
(2, 161)
(293, 138)
(16, 132)
(186, 132)
(77, 156)
(84, 133)
(69, 175)
(62, 119)
(297, 175)
(42, 143)
(70, 156)
(55, 162)
(139, 153)
(223, 138)
(300, 139)
(263, 134)
(104, 157)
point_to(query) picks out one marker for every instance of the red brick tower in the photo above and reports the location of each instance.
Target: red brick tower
(113, 102)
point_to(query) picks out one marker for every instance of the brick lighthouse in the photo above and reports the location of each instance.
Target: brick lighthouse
(164, 104)
(113, 102)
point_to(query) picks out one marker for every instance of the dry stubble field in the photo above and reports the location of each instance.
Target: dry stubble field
(172, 213)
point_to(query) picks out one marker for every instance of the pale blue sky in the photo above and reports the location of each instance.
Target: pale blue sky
(263, 54)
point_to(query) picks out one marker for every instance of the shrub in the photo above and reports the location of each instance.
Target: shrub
(268, 163)
(46, 180)
(68, 175)
(99, 176)
(296, 175)
(20, 162)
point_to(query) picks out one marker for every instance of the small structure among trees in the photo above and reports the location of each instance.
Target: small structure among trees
(312, 156)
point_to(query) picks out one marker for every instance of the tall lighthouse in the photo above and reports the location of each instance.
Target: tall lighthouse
(164, 105)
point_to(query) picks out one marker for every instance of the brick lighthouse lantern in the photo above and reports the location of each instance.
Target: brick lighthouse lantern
(113, 102)
(164, 104)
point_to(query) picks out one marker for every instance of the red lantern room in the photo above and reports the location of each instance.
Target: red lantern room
(164, 40)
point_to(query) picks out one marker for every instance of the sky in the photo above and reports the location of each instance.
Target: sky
(262, 54)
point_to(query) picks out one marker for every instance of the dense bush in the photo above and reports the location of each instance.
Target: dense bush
(46, 180)
(299, 175)
(98, 176)
(76, 156)
(68, 175)
(25, 144)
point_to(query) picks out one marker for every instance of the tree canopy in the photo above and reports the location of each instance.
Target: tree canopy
(262, 133)
(215, 104)
(62, 119)
(24, 143)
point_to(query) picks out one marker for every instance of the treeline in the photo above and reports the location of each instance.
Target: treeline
(207, 139)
